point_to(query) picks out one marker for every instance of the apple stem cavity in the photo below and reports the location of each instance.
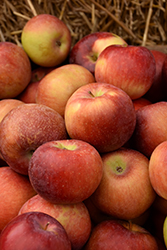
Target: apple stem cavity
(119, 169)
(58, 43)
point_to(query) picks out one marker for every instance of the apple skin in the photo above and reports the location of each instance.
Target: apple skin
(156, 92)
(125, 191)
(157, 169)
(55, 89)
(74, 218)
(16, 189)
(141, 102)
(150, 128)
(74, 169)
(86, 51)
(164, 76)
(25, 128)
(34, 230)
(116, 235)
(46, 40)
(165, 231)
(130, 68)
(15, 70)
(100, 114)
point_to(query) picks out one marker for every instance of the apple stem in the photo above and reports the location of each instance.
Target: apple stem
(130, 225)
(91, 94)
(47, 224)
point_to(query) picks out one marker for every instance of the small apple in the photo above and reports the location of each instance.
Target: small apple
(100, 114)
(165, 231)
(141, 102)
(150, 127)
(131, 68)
(56, 87)
(125, 191)
(46, 39)
(35, 231)
(15, 189)
(65, 171)
(26, 127)
(116, 235)
(86, 51)
(157, 169)
(74, 218)
(15, 70)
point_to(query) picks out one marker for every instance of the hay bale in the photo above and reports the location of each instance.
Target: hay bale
(138, 22)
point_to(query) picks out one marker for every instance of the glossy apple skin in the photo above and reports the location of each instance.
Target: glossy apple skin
(46, 40)
(100, 114)
(74, 218)
(26, 127)
(55, 89)
(130, 68)
(16, 189)
(15, 70)
(116, 235)
(157, 169)
(73, 167)
(150, 127)
(125, 191)
(35, 231)
(86, 51)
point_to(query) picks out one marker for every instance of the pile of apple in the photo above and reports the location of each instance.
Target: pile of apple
(83, 142)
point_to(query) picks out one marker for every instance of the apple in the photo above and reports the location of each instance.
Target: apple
(74, 218)
(165, 231)
(35, 231)
(26, 127)
(116, 235)
(141, 102)
(164, 77)
(28, 95)
(125, 191)
(15, 189)
(100, 114)
(157, 169)
(86, 51)
(156, 92)
(65, 171)
(46, 40)
(131, 68)
(150, 128)
(56, 87)
(15, 70)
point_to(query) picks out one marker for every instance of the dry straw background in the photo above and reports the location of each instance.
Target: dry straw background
(139, 22)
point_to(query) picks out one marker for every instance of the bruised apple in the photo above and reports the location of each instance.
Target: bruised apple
(100, 114)
(25, 128)
(65, 171)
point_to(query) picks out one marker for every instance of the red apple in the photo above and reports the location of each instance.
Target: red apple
(150, 128)
(100, 114)
(15, 70)
(86, 51)
(116, 235)
(46, 39)
(15, 189)
(130, 68)
(125, 190)
(65, 171)
(26, 127)
(156, 92)
(74, 218)
(164, 77)
(158, 169)
(55, 89)
(141, 102)
(35, 231)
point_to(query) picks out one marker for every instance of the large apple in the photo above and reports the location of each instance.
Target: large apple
(74, 218)
(15, 189)
(86, 51)
(150, 127)
(26, 127)
(116, 235)
(15, 70)
(55, 89)
(125, 190)
(35, 231)
(65, 171)
(46, 39)
(158, 169)
(131, 68)
(100, 114)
